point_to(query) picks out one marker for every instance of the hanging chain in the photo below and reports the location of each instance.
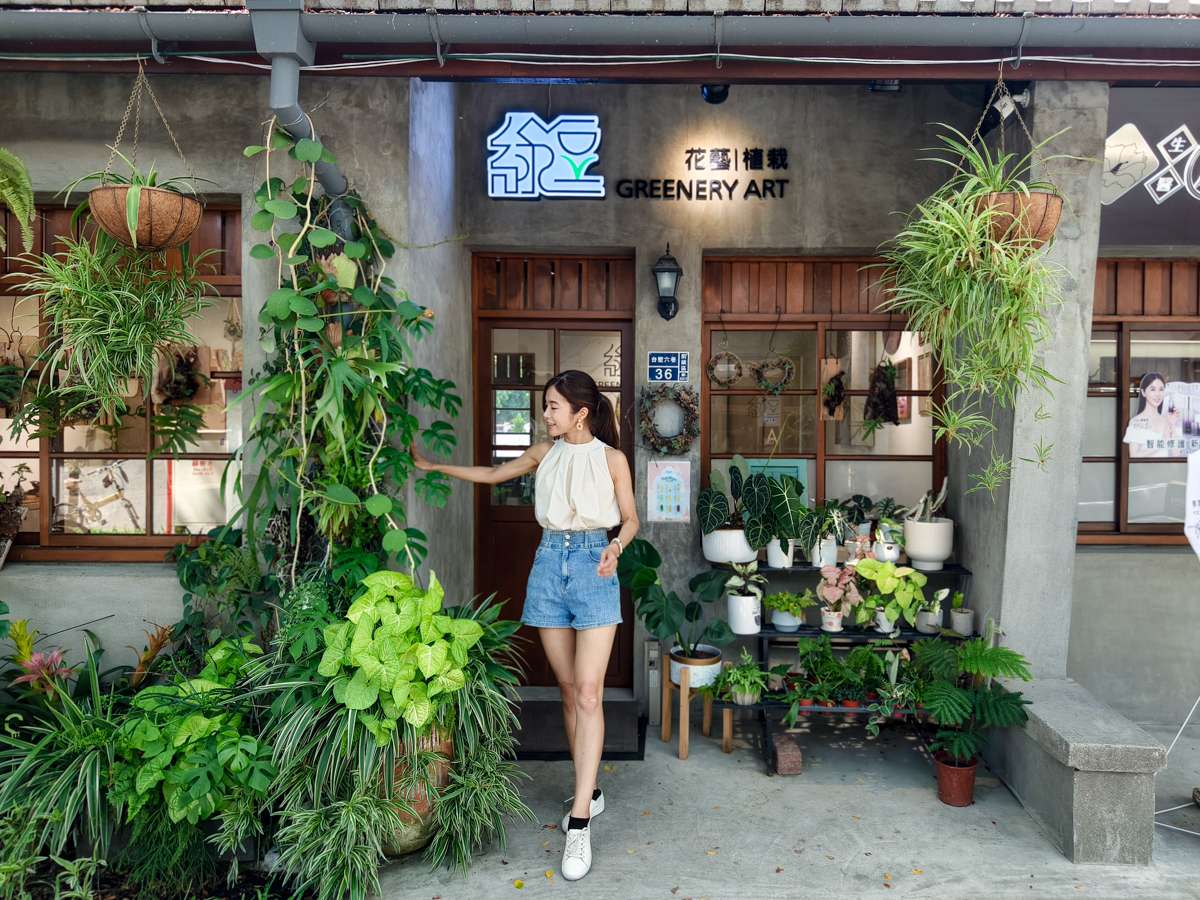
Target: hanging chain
(135, 101)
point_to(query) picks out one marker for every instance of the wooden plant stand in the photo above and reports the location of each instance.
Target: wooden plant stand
(685, 691)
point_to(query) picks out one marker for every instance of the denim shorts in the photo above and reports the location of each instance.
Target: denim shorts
(564, 590)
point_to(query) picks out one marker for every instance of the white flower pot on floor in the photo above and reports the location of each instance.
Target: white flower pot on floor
(928, 544)
(728, 545)
(745, 613)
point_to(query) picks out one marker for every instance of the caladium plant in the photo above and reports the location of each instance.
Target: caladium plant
(395, 655)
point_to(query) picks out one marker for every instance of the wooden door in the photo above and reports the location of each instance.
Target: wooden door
(515, 356)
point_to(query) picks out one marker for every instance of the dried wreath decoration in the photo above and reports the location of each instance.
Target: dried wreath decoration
(785, 368)
(687, 400)
(725, 361)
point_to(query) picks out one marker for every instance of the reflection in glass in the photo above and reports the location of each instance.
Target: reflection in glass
(1097, 492)
(1100, 427)
(598, 353)
(752, 346)
(859, 352)
(1175, 355)
(906, 482)
(1157, 492)
(22, 472)
(98, 496)
(1102, 359)
(615, 399)
(516, 492)
(805, 470)
(187, 495)
(756, 424)
(913, 437)
(522, 356)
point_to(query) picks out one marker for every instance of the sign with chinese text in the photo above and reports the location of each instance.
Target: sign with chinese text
(717, 173)
(531, 159)
(668, 366)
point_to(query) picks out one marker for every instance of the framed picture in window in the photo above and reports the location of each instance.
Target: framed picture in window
(903, 385)
(924, 383)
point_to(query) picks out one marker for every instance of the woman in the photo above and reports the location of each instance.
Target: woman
(1151, 432)
(583, 489)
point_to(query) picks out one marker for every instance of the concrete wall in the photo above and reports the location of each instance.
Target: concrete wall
(1134, 631)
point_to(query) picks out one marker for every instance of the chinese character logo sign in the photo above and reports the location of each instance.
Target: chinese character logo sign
(530, 159)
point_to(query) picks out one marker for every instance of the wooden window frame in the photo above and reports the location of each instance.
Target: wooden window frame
(805, 310)
(44, 546)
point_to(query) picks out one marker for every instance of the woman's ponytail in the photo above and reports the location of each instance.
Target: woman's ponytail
(580, 391)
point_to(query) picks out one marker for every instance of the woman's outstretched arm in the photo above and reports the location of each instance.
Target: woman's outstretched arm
(514, 468)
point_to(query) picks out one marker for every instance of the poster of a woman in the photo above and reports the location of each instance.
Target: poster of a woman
(1154, 430)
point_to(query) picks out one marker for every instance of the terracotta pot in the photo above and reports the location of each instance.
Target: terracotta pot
(1024, 218)
(416, 832)
(852, 704)
(956, 784)
(702, 672)
(872, 696)
(808, 701)
(165, 219)
(825, 703)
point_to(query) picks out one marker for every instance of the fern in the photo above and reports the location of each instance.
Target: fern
(976, 657)
(16, 192)
(948, 704)
(961, 745)
(12, 378)
(177, 428)
(938, 658)
(996, 706)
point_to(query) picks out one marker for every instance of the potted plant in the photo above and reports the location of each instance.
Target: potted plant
(866, 668)
(964, 701)
(929, 616)
(723, 518)
(962, 620)
(968, 272)
(787, 609)
(744, 683)
(851, 696)
(889, 537)
(783, 520)
(668, 618)
(896, 594)
(928, 538)
(744, 598)
(900, 689)
(140, 210)
(820, 530)
(839, 593)
(12, 513)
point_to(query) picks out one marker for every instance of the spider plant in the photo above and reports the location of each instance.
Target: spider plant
(111, 313)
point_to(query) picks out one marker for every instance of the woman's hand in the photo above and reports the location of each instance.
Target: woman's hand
(419, 461)
(608, 562)
(1173, 417)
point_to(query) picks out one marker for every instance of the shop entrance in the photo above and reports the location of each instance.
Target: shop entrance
(536, 316)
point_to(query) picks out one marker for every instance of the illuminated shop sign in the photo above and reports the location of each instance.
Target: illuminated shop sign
(531, 159)
(717, 173)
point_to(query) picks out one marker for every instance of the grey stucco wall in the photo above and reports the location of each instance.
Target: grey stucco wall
(1134, 631)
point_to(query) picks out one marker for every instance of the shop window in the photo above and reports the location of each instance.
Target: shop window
(104, 489)
(834, 457)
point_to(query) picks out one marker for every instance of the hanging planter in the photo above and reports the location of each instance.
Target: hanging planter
(1023, 217)
(880, 405)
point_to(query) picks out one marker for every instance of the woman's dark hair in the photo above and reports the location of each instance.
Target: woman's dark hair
(1148, 379)
(580, 391)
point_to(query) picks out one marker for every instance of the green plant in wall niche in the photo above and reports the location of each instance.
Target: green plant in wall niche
(339, 394)
(16, 192)
(970, 279)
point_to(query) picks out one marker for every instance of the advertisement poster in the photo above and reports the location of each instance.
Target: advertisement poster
(669, 498)
(1166, 424)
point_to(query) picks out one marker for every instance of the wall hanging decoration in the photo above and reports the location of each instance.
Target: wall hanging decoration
(781, 367)
(833, 391)
(687, 400)
(727, 363)
(140, 210)
(880, 405)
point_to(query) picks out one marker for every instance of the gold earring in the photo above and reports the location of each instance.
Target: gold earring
(579, 425)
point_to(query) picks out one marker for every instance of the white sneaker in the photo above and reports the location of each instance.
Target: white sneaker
(595, 808)
(577, 858)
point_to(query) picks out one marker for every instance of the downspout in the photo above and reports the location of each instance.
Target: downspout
(279, 38)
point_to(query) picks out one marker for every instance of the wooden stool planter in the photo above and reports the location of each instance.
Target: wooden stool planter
(686, 695)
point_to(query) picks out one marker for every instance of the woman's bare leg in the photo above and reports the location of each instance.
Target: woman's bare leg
(559, 644)
(592, 649)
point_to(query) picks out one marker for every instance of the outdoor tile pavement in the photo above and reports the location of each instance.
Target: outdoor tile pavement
(863, 820)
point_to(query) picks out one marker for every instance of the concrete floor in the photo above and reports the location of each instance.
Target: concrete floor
(863, 820)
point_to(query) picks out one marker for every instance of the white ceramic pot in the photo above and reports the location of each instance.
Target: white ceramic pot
(701, 672)
(830, 621)
(928, 622)
(887, 552)
(776, 558)
(728, 545)
(963, 621)
(825, 553)
(785, 621)
(928, 544)
(745, 613)
(882, 623)
(745, 698)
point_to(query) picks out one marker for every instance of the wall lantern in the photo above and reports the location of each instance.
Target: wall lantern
(666, 275)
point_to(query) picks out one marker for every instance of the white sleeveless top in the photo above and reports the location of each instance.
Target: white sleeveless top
(574, 490)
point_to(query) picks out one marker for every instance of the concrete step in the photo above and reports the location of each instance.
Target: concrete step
(540, 714)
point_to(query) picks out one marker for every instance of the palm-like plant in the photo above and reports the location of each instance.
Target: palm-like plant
(961, 696)
(16, 192)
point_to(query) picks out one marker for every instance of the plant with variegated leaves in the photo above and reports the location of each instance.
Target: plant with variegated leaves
(395, 656)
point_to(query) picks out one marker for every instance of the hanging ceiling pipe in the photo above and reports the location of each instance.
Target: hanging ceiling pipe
(279, 38)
